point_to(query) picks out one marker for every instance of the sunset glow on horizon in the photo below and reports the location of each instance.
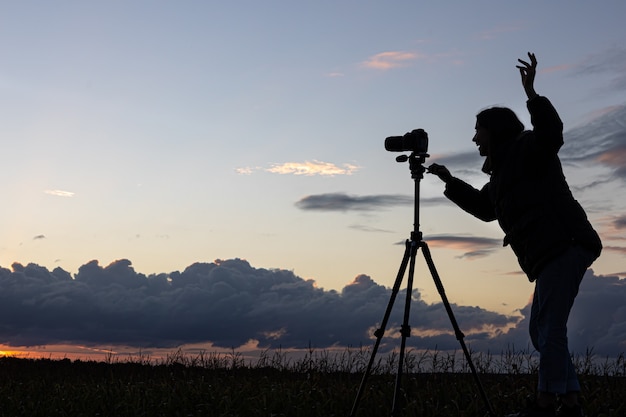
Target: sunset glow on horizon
(215, 174)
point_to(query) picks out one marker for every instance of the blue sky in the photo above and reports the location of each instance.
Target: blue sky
(171, 133)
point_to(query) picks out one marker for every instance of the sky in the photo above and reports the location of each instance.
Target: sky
(202, 172)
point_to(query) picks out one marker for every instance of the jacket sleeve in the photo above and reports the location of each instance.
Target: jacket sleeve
(475, 202)
(547, 124)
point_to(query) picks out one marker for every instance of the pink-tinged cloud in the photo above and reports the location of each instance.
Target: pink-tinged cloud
(472, 246)
(603, 112)
(615, 249)
(611, 228)
(59, 193)
(620, 222)
(310, 168)
(391, 59)
(307, 168)
(555, 68)
(615, 157)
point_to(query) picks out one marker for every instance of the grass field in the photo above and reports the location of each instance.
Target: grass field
(316, 383)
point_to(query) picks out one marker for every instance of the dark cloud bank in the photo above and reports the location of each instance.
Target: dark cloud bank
(229, 303)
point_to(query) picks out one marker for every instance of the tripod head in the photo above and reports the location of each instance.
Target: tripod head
(416, 163)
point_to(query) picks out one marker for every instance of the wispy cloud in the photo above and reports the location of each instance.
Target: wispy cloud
(310, 168)
(345, 202)
(612, 229)
(556, 68)
(620, 222)
(615, 249)
(600, 139)
(59, 193)
(472, 246)
(245, 170)
(611, 61)
(615, 158)
(307, 168)
(369, 229)
(391, 59)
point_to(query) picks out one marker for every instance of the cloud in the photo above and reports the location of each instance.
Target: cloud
(602, 140)
(555, 68)
(620, 222)
(611, 61)
(229, 303)
(597, 320)
(59, 193)
(621, 250)
(599, 315)
(312, 168)
(345, 202)
(615, 158)
(365, 228)
(307, 168)
(244, 170)
(473, 246)
(391, 59)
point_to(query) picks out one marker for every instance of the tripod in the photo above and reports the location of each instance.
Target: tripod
(416, 161)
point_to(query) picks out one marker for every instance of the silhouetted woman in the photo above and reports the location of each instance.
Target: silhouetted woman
(545, 226)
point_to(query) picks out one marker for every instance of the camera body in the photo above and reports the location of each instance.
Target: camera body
(414, 141)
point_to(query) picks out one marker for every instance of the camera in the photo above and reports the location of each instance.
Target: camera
(414, 141)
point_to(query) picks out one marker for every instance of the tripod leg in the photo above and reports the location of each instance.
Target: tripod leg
(410, 247)
(457, 331)
(405, 332)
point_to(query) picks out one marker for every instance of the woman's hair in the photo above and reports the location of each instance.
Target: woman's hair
(501, 123)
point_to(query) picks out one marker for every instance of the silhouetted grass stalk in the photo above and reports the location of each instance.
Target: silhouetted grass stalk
(354, 360)
(291, 383)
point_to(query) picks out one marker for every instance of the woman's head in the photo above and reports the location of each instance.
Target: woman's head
(500, 122)
(495, 126)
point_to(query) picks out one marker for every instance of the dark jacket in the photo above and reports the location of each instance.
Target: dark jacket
(528, 195)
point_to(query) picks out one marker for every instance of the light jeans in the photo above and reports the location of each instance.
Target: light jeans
(555, 290)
